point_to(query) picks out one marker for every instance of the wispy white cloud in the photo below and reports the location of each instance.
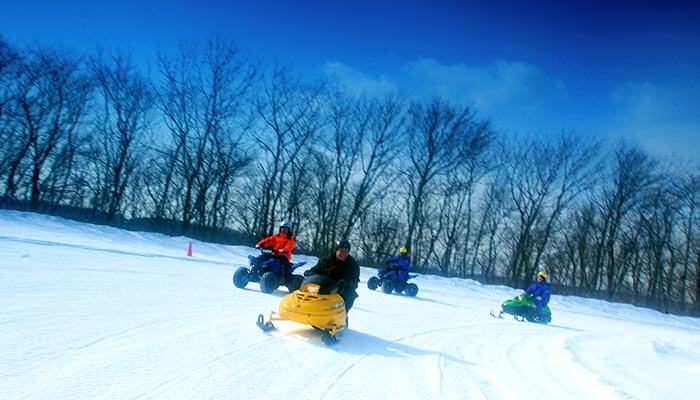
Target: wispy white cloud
(662, 117)
(517, 96)
(488, 87)
(520, 97)
(357, 82)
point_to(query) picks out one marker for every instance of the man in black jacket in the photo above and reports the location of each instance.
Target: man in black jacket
(341, 267)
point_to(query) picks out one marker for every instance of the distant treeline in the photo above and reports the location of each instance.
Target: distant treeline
(168, 227)
(220, 148)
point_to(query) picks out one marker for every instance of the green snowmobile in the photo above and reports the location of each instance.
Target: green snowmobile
(523, 308)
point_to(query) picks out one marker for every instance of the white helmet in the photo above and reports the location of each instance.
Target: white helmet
(286, 224)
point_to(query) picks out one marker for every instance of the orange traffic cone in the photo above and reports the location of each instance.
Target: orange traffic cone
(189, 250)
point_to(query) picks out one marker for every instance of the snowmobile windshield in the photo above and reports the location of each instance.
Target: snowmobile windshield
(325, 284)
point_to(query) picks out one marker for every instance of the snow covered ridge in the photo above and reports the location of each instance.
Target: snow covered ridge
(90, 312)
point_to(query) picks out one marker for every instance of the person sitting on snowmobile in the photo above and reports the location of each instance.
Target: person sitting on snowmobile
(282, 245)
(342, 268)
(400, 265)
(540, 292)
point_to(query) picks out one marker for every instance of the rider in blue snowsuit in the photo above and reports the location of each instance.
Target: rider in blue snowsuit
(540, 292)
(399, 266)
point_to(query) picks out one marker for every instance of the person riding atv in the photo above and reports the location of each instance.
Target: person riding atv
(399, 266)
(395, 275)
(282, 245)
(273, 267)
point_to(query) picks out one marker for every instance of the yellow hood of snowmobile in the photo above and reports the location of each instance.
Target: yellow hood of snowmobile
(323, 311)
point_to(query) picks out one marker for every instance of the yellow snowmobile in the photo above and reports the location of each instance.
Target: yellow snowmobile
(315, 303)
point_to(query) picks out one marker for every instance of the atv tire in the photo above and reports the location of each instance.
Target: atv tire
(412, 289)
(387, 286)
(373, 283)
(240, 277)
(269, 282)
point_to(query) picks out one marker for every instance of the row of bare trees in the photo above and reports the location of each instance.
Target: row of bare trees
(214, 140)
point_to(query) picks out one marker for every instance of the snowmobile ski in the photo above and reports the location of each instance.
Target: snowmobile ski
(496, 315)
(265, 326)
(329, 339)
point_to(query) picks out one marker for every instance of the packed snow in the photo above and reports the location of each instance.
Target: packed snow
(93, 312)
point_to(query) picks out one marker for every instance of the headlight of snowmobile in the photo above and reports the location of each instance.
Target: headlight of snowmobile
(312, 288)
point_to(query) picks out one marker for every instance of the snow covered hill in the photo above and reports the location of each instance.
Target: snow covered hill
(92, 312)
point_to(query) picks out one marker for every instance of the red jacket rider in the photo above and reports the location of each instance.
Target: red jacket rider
(282, 243)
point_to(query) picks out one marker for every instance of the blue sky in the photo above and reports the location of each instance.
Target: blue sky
(624, 70)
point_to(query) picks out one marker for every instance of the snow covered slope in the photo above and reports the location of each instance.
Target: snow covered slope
(91, 312)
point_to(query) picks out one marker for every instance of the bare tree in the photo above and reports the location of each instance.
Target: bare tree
(361, 143)
(231, 161)
(53, 92)
(18, 130)
(436, 135)
(697, 276)
(321, 207)
(689, 194)
(632, 173)
(578, 235)
(380, 133)
(291, 116)
(494, 213)
(201, 94)
(657, 218)
(9, 62)
(545, 177)
(345, 139)
(301, 180)
(457, 214)
(10, 71)
(380, 230)
(126, 99)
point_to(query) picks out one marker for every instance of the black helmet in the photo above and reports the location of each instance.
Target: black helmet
(343, 244)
